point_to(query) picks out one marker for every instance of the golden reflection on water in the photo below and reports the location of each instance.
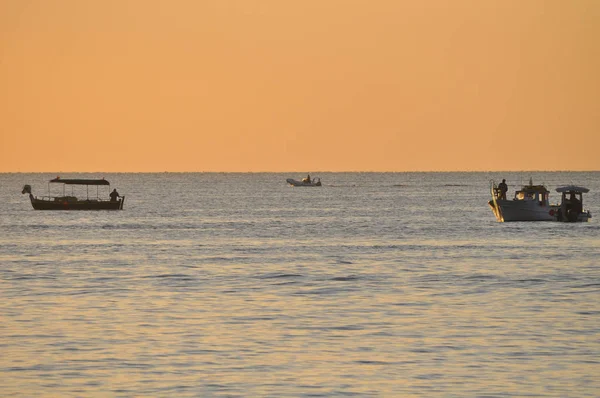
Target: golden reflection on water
(413, 341)
(359, 299)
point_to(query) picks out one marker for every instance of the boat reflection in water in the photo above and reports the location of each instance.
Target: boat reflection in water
(531, 203)
(70, 202)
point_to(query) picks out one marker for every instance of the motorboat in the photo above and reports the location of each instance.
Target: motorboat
(531, 203)
(571, 204)
(71, 202)
(306, 182)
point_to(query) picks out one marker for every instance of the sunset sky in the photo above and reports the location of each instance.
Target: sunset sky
(310, 85)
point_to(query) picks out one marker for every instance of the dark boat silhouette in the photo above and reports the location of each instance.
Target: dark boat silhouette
(66, 202)
(315, 182)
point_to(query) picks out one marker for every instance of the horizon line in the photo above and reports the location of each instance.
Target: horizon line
(301, 172)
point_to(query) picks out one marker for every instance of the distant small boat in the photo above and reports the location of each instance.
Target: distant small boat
(315, 182)
(66, 202)
(531, 203)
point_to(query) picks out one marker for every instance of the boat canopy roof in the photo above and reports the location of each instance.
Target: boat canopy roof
(80, 181)
(572, 188)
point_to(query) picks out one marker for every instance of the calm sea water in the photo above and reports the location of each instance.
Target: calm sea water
(236, 285)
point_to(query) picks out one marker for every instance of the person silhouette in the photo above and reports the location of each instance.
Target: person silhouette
(575, 204)
(114, 195)
(503, 189)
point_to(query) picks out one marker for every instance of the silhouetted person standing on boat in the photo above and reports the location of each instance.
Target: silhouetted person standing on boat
(114, 195)
(503, 189)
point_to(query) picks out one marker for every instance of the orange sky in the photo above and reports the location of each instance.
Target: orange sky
(311, 85)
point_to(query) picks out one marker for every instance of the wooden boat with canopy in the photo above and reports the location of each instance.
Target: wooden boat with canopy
(71, 202)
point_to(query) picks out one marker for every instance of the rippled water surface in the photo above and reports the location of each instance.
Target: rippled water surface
(376, 284)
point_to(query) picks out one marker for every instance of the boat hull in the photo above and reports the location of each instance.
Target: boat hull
(570, 216)
(518, 210)
(41, 204)
(507, 210)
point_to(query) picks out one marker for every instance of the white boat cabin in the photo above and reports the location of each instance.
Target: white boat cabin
(537, 193)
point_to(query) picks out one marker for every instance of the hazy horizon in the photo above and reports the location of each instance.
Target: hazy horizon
(300, 171)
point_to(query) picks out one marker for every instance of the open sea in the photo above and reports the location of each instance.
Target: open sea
(237, 285)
